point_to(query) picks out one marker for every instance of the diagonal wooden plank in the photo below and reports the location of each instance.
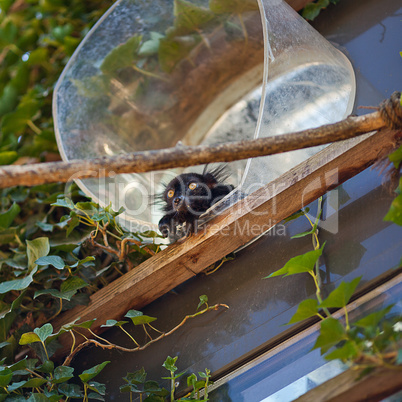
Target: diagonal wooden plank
(239, 224)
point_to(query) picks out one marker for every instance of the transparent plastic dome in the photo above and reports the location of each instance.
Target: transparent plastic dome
(156, 74)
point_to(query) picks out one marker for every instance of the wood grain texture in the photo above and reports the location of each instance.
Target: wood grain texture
(235, 227)
(347, 387)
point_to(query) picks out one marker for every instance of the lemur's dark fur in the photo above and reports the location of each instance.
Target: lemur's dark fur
(188, 196)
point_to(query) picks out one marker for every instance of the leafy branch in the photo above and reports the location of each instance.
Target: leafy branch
(53, 382)
(374, 340)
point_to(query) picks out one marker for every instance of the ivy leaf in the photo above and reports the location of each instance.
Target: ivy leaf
(331, 333)
(114, 323)
(97, 387)
(373, 319)
(55, 293)
(232, 6)
(70, 326)
(70, 390)
(62, 374)
(36, 249)
(15, 122)
(340, 296)
(54, 260)
(31, 383)
(87, 375)
(64, 202)
(346, 352)
(296, 215)
(121, 56)
(46, 367)
(396, 156)
(395, 211)
(28, 338)
(311, 11)
(306, 309)
(73, 284)
(150, 47)
(17, 284)
(173, 50)
(189, 17)
(203, 300)
(138, 318)
(7, 217)
(136, 378)
(44, 331)
(169, 363)
(5, 377)
(91, 87)
(299, 264)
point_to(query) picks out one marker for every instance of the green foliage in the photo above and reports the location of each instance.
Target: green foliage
(299, 264)
(311, 10)
(36, 39)
(372, 341)
(52, 382)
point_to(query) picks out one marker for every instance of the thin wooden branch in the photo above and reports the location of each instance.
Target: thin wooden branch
(183, 156)
(239, 224)
(138, 348)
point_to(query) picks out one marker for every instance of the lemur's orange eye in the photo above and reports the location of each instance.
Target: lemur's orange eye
(192, 186)
(170, 193)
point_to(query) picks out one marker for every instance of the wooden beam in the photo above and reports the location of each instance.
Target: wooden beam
(235, 227)
(347, 386)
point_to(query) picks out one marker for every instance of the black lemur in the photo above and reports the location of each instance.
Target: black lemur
(188, 196)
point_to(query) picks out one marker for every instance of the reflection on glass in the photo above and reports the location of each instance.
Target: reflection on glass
(293, 369)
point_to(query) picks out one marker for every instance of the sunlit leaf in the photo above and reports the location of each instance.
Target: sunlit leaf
(306, 309)
(299, 264)
(203, 300)
(36, 249)
(346, 352)
(396, 157)
(394, 213)
(44, 331)
(331, 333)
(114, 323)
(138, 318)
(340, 296)
(169, 363)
